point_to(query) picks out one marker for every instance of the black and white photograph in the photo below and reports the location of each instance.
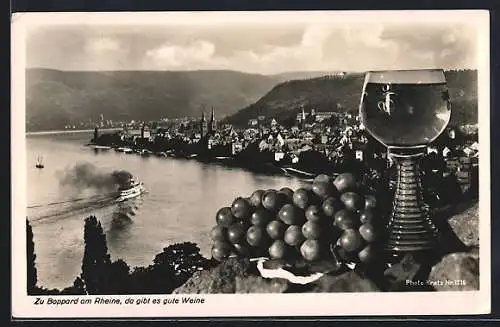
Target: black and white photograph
(250, 163)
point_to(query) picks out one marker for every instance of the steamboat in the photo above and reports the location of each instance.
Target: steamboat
(132, 189)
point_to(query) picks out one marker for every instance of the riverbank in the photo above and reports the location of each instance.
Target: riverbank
(372, 167)
(253, 162)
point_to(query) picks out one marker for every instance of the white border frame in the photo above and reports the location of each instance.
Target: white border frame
(304, 304)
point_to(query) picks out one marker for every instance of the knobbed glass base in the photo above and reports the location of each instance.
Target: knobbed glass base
(410, 227)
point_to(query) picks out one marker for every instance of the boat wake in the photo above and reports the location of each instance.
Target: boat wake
(56, 211)
(69, 208)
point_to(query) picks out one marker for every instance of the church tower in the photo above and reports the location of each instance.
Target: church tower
(202, 124)
(212, 127)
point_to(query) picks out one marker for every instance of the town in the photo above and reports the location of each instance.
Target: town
(314, 143)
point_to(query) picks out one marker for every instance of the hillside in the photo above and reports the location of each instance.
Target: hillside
(342, 94)
(55, 98)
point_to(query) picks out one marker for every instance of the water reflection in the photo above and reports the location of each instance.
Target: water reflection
(121, 223)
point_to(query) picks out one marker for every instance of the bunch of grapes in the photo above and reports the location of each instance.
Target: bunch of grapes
(333, 217)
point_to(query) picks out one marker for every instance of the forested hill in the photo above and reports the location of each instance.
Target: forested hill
(56, 98)
(342, 94)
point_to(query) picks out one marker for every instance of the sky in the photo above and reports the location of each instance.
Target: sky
(263, 48)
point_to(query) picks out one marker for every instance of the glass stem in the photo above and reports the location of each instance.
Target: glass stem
(410, 227)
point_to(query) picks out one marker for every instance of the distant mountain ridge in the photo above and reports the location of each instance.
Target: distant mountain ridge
(342, 94)
(56, 98)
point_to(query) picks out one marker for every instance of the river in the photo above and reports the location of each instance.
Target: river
(183, 197)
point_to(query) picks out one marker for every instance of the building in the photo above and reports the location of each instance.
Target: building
(317, 116)
(203, 124)
(324, 115)
(301, 119)
(101, 121)
(212, 126)
(145, 131)
(253, 122)
(132, 134)
(236, 147)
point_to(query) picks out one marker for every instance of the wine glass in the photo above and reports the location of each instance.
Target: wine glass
(406, 110)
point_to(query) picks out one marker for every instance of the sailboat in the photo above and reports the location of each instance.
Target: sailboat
(39, 163)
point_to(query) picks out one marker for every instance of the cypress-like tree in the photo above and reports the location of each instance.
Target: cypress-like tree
(96, 260)
(30, 255)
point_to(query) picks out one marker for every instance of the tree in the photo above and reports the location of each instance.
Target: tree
(96, 260)
(171, 268)
(144, 280)
(120, 281)
(78, 288)
(30, 255)
(183, 259)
